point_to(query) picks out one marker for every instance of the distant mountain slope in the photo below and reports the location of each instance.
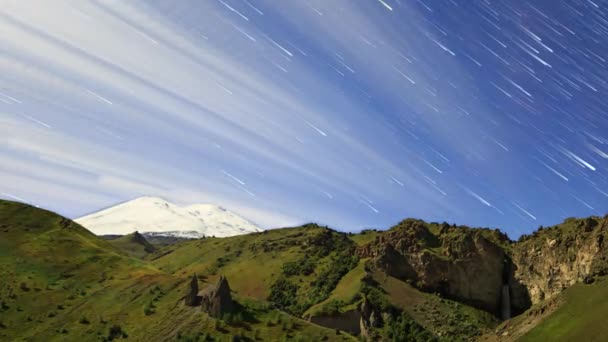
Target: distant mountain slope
(153, 214)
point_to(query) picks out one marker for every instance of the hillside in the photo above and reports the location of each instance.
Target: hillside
(415, 281)
(60, 282)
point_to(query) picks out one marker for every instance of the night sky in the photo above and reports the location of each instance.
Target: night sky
(354, 114)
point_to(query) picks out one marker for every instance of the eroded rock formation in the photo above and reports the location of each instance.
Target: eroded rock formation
(457, 262)
(191, 298)
(216, 299)
(483, 268)
(553, 259)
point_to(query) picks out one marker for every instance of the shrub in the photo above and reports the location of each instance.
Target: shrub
(332, 307)
(116, 332)
(84, 320)
(404, 328)
(149, 309)
(327, 280)
(283, 293)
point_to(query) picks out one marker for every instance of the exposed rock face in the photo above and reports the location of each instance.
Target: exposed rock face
(554, 258)
(370, 318)
(483, 268)
(191, 298)
(457, 262)
(216, 299)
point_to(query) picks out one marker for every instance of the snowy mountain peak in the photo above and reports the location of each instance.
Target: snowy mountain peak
(156, 215)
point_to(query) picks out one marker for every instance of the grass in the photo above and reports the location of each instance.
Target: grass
(444, 317)
(365, 237)
(347, 289)
(581, 317)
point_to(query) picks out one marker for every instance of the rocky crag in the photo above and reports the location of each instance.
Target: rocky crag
(555, 258)
(483, 268)
(215, 300)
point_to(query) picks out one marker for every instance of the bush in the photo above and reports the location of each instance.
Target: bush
(149, 309)
(84, 320)
(116, 332)
(283, 293)
(328, 279)
(306, 266)
(404, 328)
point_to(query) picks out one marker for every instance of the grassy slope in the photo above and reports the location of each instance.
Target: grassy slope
(252, 262)
(444, 317)
(132, 245)
(348, 287)
(581, 317)
(60, 282)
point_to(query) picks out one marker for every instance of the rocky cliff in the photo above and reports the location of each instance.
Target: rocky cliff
(555, 258)
(483, 268)
(457, 262)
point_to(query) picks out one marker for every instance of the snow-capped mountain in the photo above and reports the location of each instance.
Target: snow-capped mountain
(158, 216)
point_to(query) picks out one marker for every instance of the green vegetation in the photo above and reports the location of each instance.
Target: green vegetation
(60, 282)
(580, 317)
(404, 328)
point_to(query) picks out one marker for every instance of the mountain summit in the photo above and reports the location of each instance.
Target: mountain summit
(160, 217)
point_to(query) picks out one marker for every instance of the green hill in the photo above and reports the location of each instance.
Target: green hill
(60, 282)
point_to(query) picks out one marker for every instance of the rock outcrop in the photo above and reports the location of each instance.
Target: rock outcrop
(553, 259)
(457, 262)
(216, 299)
(192, 298)
(483, 268)
(370, 318)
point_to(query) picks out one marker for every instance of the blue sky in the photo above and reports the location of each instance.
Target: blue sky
(353, 114)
